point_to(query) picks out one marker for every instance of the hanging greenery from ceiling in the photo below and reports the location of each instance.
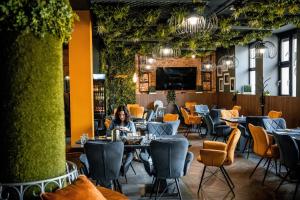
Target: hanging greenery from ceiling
(38, 17)
(127, 31)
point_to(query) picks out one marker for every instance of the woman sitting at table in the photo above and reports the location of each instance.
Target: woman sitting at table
(122, 122)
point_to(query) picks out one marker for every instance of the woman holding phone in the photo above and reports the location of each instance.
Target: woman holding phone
(122, 122)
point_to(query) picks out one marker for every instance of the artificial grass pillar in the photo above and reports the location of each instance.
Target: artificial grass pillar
(32, 140)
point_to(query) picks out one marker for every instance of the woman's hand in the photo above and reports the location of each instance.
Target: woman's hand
(124, 129)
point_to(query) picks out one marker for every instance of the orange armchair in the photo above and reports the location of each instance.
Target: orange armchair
(132, 105)
(218, 154)
(238, 108)
(191, 106)
(107, 123)
(227, 114)
(274, 114)
(170, 117)
(263, 146)
(137, 111)
(190, 120)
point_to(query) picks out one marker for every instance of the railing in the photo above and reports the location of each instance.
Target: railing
(19, 190)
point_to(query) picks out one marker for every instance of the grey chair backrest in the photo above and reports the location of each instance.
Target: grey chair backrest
(175, 125)
(215, 115)
(104, 159)
(202, 109)
(168, 156)
(289, 151)
(159, 128)
(255, 120)
(209, 124)
(177, 110)
(149, 115)
(272, 124)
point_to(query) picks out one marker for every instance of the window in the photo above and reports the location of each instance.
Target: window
(294, 65)
(252, 69)
(287, 65)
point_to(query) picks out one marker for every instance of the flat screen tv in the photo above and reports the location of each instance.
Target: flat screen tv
(176, 78)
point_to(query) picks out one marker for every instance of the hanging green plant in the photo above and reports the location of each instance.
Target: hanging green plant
(39, 17)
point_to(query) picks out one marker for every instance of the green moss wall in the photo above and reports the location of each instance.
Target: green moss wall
(32, 142)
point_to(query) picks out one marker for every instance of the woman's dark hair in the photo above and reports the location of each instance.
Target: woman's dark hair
(127, 115)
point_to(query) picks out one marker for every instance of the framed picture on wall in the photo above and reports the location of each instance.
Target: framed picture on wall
(221, 85)
(224, 68)
(226, 79)
(219, 70)
(232, 84)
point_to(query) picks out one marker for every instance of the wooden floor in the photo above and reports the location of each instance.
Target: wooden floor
(216, 187)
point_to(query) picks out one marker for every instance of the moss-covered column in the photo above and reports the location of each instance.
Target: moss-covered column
(32, 129)
(32, 144)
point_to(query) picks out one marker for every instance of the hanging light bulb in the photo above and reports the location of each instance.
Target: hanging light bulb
(228, 62)
(193, 56)
(135, 78)
(264, 49)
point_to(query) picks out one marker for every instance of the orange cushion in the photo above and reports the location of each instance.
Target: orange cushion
(82, 188)
(112, 195)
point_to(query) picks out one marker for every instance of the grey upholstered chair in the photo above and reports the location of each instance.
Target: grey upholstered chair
(289, 157)
(202, 109)
(272, 124)
(175, 125)
(220, 129)
(159, 128)
(170, 160)
(104, 162)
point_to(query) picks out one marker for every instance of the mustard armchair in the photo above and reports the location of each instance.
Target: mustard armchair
(137, 111)
(227, 114)
(263, 146)
(191, 106)
(132, 105)
(218, 154)
(238, 108)
(274, 114)
(170, 117)
(190, 121)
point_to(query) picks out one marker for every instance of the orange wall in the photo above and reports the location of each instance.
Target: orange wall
(81, 71)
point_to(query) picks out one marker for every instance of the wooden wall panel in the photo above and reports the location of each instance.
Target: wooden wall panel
(290, 107)
(147, 100)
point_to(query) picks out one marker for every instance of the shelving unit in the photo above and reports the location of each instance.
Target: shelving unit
(99, 103)
(207, 81)
(144, 82)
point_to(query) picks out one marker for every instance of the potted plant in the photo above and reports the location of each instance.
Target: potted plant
(247, 89)
(171, 96)
(152, 90)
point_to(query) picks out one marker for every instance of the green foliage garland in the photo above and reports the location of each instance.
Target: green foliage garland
(127, 31)
(40, 17)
